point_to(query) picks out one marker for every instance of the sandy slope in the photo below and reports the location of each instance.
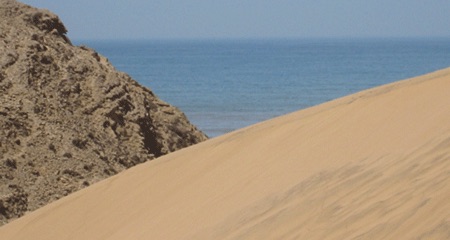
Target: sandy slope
(373, 165)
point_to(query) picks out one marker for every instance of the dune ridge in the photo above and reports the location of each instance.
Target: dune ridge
(372, 165)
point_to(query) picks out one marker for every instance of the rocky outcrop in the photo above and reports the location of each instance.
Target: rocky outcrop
(67, 117)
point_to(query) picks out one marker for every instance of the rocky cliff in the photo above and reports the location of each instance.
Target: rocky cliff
(67, 117)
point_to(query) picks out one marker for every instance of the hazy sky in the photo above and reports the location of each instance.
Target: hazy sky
(160, 19)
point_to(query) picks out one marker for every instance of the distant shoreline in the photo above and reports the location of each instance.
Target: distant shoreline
(81, 41)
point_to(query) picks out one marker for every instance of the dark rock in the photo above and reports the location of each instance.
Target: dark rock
(67, 118)
(13, 202)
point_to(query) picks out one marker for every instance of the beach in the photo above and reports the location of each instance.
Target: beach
(371, 165)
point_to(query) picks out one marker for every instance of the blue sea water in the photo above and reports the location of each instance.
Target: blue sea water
(223, 85)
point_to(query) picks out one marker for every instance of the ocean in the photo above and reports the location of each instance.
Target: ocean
(223, 85)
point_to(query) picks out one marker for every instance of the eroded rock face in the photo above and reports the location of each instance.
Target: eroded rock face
(67, 117)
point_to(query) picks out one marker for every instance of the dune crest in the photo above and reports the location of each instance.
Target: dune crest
(372, 165)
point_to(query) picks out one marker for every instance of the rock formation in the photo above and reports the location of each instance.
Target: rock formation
(67, 117)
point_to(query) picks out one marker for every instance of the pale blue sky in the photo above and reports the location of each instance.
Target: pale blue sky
(162, 19)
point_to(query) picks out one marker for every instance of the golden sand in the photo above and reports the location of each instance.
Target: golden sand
(372, 165)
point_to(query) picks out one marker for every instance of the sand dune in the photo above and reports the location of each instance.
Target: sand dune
(373, 165)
